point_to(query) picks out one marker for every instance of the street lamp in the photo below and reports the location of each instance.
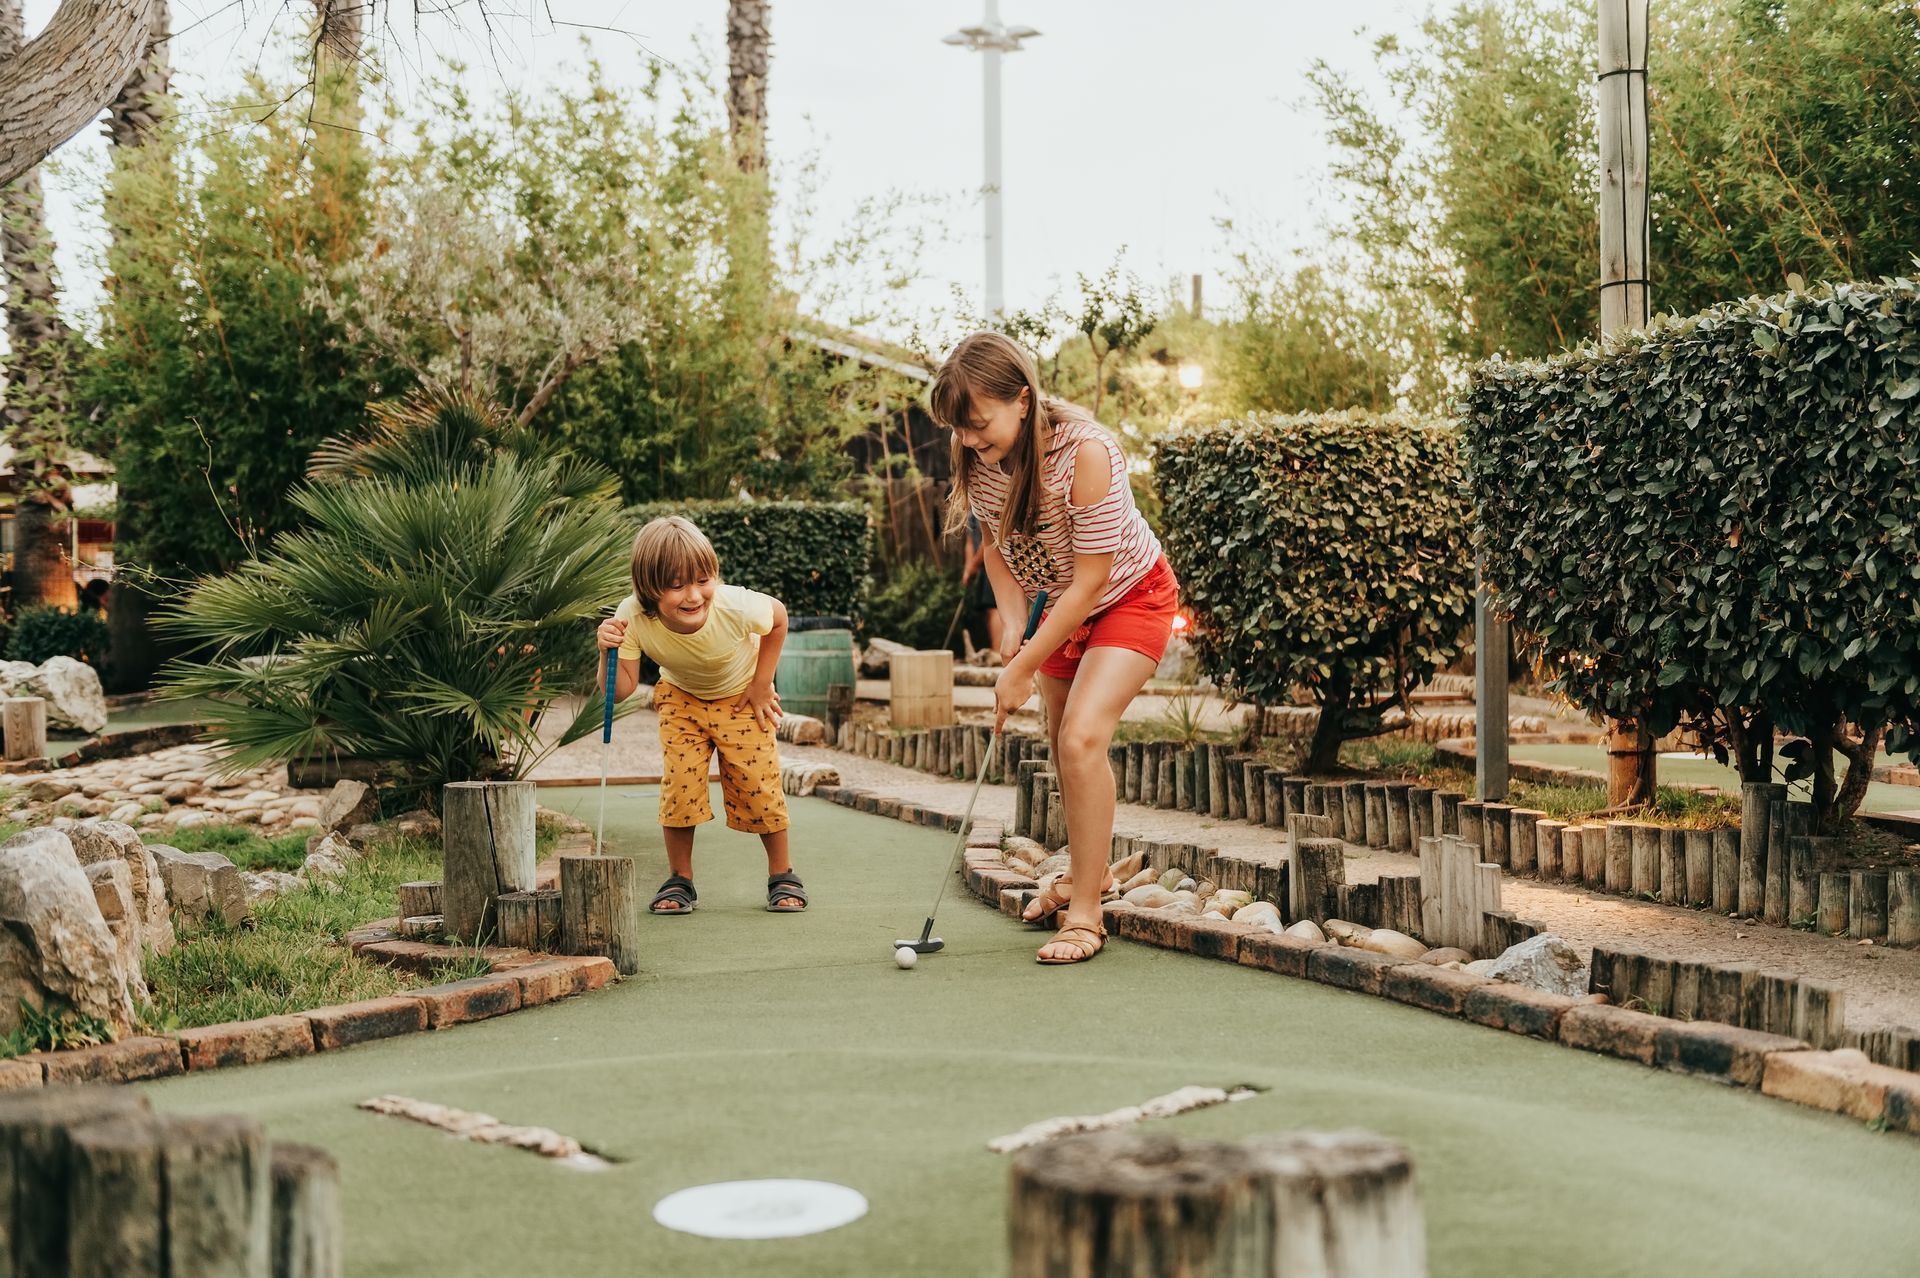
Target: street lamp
(992, 39)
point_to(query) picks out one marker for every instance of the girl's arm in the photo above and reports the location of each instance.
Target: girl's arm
(1008, 596)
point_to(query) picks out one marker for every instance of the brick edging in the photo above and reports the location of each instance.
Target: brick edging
(1842, 1082)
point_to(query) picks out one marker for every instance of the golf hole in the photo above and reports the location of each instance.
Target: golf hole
(760, 1208)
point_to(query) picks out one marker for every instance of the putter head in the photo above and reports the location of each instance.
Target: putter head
(925, 945)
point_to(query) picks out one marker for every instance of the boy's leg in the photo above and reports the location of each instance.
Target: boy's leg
(750, 785)
(1107, 680)
(685, 751)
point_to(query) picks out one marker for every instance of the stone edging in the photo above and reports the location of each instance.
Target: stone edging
(1842, 1082)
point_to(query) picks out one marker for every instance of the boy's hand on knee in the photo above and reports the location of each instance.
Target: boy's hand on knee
(763, 701)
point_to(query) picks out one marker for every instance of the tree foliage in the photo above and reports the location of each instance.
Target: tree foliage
(1714, 523)
(1328, 552)
(437, 602)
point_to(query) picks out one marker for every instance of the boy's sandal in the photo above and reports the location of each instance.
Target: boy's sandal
(1086, 941)
(785, 886)
(677, 894)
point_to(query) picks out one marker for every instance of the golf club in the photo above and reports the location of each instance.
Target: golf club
(606, 747)
(928, 942)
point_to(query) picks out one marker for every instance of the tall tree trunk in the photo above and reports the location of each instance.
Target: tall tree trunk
(56, 84)
(1846, 797)
(1750, 739)
(337, 41)
(133, 120)
(748, 43)
(34, 417)
(1335, 696)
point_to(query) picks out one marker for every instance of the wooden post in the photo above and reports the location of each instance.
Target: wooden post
(1375, 799)
(1432, 924)
(1774, 897)
(117, 1198)
(1834, 904)
(1489, 695)
(530, 920)
(600, 910)
(1624, 301)
(1867, 909)
(1167, 782)
(1330, 801)
(1473, 825)
(36, 1151)
(1318, 867)
(1253, 784)
(1673, 866)
(487, 848)
(1354, 795)
(419, 898)
(1699, 868)
(1548, 849)
(1497, 826)
(1726, 870)
(1619, 870)
(1056, 816)
(1446, 811)
(1646, 843)
(1339, 1205)
(1523, 840)
(1274, 783)
(1802, 887)
(1219, 785)
(839, 707)
(1420, 812)
(1903, 906)
(308, 1239)
(1399, 818)
(219, 1196)
(920, 689)
(23, 721)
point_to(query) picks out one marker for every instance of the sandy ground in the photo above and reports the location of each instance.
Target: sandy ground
(1882, 985)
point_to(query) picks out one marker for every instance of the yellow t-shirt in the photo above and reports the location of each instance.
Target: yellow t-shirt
(715, 661)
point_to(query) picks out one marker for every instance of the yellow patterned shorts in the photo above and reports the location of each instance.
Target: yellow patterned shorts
(691, 730)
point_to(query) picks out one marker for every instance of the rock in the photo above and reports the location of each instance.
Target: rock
(51, 790)
(302, 823)
(1479, 967)
(1384, 940)
(319, 865)
(1257, 912)
(265, 883)
(1058, 863)
(126, 812)
(1207, 887)
(1127, 866)
(418, 824)
(1229, 899)
(348, 804)
(14, 676)
(202, 884)
(1445, 955)
(262, 796)
(188, 820)
(1307, 930)
(1544, 963)
(1147, 875)
(365, 834)
(54, 942)
(877, 660)
(1214, 913)
(1186, 884)
(1150, 897)
(72, 692)
(95, 842)
(1170, 879)
(113, 894)
(1347, 933)
(175, 791)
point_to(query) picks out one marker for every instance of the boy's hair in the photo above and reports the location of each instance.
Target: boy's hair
(669, 551)
(988, 365)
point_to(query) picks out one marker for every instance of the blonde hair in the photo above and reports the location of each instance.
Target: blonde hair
(988, 365)
(669, 551)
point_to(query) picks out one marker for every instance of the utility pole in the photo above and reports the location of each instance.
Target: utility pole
(990, 39)
(1624, 243)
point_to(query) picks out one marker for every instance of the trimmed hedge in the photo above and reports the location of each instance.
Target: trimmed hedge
(1714, 521)
(811, 556)
(1321, 550)
(40, 633)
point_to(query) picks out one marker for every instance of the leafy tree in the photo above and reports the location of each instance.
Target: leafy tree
(436, 605)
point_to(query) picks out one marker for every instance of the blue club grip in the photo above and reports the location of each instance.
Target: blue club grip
(613, 666)
(1033, 614)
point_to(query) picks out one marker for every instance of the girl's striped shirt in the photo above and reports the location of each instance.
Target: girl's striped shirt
(1111, 526)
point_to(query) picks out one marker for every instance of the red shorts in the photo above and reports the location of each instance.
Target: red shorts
(1140, 621)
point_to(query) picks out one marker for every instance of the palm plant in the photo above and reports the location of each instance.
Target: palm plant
(448, 571)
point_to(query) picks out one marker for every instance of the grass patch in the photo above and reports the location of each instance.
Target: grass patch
(289, 959)
(1399, 760)
(1672, 806)
(243, 845)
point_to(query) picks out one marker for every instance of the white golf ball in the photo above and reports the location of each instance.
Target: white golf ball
(905, 956)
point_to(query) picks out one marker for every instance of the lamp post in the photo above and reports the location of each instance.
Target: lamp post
(991, 39)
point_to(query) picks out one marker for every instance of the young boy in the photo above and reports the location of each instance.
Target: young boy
(716, 646)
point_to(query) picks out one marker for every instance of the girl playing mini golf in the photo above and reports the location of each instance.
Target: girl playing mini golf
(1049, 485)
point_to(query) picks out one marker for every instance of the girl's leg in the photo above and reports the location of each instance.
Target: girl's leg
(1107, 680)
(1053, 699)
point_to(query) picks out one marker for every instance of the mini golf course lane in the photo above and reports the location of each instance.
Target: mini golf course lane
(754, 1045)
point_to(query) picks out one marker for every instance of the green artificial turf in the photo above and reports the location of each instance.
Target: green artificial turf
(755, 1045)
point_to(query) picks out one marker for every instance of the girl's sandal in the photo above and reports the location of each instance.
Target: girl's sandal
(1086, 941)
(1052, 899)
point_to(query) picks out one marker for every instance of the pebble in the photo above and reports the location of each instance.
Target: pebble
(1308, 930)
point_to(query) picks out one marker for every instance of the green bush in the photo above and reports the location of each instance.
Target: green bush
(915, 605)
(39, 633)
(438, 603)
(1326, 551)
(811, 556)
(1714, 522)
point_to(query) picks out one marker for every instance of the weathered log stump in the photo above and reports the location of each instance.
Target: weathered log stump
(1755, 798)
(1726, 870)
(1318, 867)
(23, 723)
(1299, 1205)
(306, 1232)
(530, 920)
(1699, 871)
(419, 897)
(219, 1197)
(600, 910)
(486, 848)
(1903, 906)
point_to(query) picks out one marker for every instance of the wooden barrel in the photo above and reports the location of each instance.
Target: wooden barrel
(920, 686)
(818, 653)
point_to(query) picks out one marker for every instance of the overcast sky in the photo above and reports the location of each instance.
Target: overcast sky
(1128, 125)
